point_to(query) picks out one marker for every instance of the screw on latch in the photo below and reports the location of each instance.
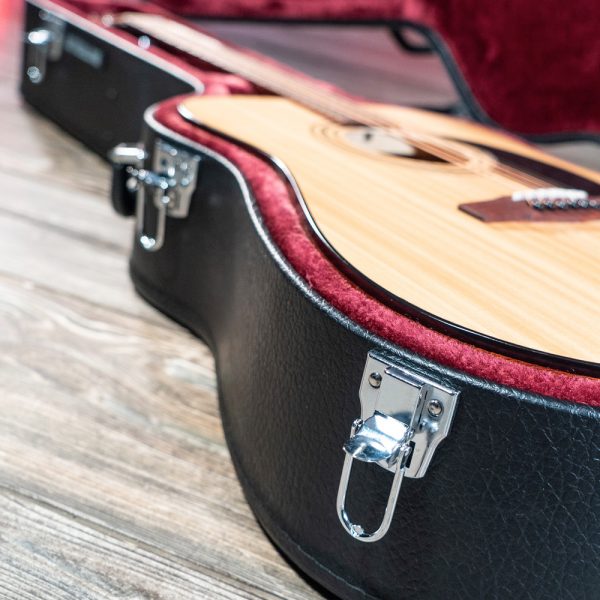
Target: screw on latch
(375, 379)
(435, 408)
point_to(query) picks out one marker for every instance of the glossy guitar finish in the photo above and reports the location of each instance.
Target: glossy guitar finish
(395, 222)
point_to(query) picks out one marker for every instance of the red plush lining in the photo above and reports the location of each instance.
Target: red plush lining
(532, 66)
(284, 220)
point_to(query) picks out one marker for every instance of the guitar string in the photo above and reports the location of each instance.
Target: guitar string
(332, 105)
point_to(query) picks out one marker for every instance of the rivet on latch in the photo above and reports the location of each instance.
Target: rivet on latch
(375, 380)
(435, 408)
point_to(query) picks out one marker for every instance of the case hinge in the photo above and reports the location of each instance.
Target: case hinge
(167, 187)
(404, 417)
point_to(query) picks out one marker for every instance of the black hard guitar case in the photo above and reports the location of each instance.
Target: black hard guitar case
(500, 495)
(509, 506)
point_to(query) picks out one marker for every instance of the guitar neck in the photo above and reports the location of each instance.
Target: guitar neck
(336, 107)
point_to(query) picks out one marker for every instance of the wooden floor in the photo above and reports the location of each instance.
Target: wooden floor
(115, 481)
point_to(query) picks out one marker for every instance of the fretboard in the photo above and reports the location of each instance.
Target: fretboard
(317, 97)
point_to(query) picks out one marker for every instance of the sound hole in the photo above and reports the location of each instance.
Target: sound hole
(381, 142)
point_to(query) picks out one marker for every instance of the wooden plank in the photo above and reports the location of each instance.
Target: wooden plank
(32, 145)
(126, 438)
(68, 240)
(48, 553)
(44, 256)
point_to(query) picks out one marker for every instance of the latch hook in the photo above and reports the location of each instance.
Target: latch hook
(168, 187)
(368, 443)
(161, 200)
(404, 416)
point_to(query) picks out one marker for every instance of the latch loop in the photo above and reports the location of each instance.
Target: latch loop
(404, 418)
(380, 438)
(168, 187)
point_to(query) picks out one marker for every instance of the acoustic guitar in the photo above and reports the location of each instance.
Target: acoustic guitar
(300, 232)
(383, 188)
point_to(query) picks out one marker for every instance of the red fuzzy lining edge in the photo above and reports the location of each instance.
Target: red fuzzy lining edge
(283, 217)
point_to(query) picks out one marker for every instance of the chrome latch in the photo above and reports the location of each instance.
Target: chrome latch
(168, 187)
(403, 419)
(44, 44)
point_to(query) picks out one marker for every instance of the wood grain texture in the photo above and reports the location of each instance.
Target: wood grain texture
(396, 221)
(137, 454)
(115, 480)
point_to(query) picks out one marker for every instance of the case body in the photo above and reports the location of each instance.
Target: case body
(510, 507)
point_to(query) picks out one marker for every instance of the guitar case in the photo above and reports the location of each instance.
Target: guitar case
(510, 504)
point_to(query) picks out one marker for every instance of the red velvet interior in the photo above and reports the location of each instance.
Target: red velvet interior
(532, 66)
(284, 219)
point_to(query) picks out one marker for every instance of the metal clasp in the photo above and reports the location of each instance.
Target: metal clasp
(43, 44)
(404, 417)
(168, 187)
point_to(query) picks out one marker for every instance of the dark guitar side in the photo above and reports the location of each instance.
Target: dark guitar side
(278, 345)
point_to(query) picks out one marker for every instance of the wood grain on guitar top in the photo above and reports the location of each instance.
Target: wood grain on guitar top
(396, 220)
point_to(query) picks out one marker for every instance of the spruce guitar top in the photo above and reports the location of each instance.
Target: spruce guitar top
(451, 222)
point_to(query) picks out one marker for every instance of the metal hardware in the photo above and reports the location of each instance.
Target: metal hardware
(168, 187)
(375, 380)
(132, 155)
(556, 198)
(403, 420)
(43, 45)
(435, 408)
